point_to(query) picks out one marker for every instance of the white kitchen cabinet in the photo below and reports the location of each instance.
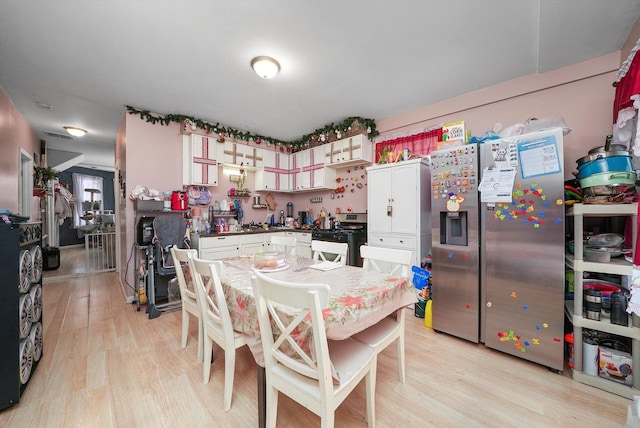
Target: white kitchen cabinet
(216, 247)
(199, 160)
(251, 243)
(236, 154)
(308, 170)
(574, 309)
(356, 150)
(253, 159)
(232, 153)
(399, 207)
(303, 243)
(274, 174)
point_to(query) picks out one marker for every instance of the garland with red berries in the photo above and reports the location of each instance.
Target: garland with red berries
(350, 126)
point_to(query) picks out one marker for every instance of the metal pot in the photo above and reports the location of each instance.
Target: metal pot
(607, 163)
(608, 179)
(603, 152)
(607, 148)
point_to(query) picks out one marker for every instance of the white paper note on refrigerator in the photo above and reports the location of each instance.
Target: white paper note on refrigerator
(497, 184)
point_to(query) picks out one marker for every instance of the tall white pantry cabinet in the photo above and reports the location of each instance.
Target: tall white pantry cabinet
(399, 207)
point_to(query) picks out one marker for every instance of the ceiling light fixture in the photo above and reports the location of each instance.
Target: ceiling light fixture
(44, 105)
(265, 66)
(76, 132)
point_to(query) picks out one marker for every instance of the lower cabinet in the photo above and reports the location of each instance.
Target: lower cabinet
(216, 247)
(401, 242)
(251, 244)
(303, 243)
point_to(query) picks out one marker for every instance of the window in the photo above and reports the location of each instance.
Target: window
(88, 192)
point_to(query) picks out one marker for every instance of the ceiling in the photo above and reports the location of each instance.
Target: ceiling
(88, 59)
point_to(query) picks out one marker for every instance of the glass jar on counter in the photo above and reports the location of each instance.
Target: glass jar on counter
(166, 201)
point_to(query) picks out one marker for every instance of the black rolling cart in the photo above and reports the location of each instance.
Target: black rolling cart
(21, 335)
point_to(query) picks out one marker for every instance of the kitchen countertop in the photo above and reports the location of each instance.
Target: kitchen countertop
(252, 231)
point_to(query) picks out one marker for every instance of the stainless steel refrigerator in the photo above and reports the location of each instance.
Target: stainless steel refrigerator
(498, 253)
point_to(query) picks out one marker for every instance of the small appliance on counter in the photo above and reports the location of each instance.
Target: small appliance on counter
(302, 218)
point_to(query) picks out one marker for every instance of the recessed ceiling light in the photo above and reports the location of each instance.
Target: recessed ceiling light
(76, 132)
(265, 66)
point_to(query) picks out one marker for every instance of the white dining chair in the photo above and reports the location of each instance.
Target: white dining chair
(330, 251)
(216, 322)
(286, 244)
(305, 375)
(391, 328)
(188, 296)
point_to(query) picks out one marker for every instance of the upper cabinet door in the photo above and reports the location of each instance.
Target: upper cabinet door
(314, 174)
(275, 172)
(296, 160)
(233, 153)
(253, 157)
(237, 154)
(199, 160)
(356, 150)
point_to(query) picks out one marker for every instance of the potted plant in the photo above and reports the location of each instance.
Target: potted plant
(41, 176)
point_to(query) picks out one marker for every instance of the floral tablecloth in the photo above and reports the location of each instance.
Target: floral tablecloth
(359, 299)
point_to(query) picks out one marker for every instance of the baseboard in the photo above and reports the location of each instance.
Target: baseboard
(130, 299)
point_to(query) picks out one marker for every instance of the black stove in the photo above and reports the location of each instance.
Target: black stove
(350, 228)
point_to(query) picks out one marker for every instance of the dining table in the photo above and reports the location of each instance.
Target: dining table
(358, 300)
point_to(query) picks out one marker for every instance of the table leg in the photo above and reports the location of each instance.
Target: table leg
(262, 397)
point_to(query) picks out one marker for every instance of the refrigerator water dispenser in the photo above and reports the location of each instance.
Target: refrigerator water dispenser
(453, 228)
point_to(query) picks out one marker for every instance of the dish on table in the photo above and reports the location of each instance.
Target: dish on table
(278, 269)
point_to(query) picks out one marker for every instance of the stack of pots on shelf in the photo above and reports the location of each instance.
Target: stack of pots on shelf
(606, 171)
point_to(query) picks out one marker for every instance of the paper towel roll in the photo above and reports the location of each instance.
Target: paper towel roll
(590, 358)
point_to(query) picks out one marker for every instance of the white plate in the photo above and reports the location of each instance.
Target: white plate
(273, 270)
(326, 265)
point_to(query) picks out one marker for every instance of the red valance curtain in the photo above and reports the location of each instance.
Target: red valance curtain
(421, 143)
(628, 83)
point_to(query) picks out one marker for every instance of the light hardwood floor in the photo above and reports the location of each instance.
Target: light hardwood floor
(107, 365)
(72, 264)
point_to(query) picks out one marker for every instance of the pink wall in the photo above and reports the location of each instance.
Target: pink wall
(581, 93)
(147, 155)
(15, 134)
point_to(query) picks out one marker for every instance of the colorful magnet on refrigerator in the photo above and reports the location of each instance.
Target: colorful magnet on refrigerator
(454, 202)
